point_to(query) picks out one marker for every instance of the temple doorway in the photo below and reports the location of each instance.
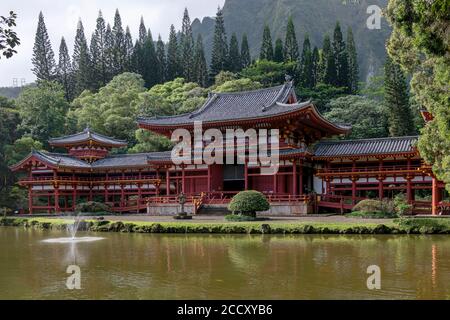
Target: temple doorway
(233, 177)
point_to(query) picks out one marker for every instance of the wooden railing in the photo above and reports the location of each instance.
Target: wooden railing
(363, 170)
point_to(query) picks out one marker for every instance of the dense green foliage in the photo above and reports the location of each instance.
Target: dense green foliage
(92, 207)
(248, 203)
(43, 56)
(420, 44)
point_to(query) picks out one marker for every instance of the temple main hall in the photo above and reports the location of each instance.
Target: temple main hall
(319, 170)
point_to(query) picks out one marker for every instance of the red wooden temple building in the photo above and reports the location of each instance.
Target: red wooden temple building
(317, 169)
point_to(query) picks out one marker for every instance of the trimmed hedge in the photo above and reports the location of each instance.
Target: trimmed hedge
(92, 206)
(248, 203)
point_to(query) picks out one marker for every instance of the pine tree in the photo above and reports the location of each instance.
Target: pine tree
(187, 47)
(234, 57)
(161, 60)
(128, 50)
(98, 53)
(353, 68)
(340, 58)
(201, 68)
(245, 52)
(278, 55)
(142, 31)
(219, 54)
(119, 51)
(150, 74)
(316, 66)
(306, 65)
(291, 51)
(81, 61)
(138, 51)
(328, 63)
(94, 54)
(396, 100)
(109, 54)
(64, 70)
(43, 57)
(173, 64)
(266, 51)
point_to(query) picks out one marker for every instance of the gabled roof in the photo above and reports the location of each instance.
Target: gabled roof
(52, 160)
(86, 136)
(377, 146)
(233, 106)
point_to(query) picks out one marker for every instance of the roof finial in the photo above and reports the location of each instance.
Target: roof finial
(287, 77)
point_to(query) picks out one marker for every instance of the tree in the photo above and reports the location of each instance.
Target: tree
(328, 64)
(353, 68)
(43, 57)
(81, 64)
(112, 110)
(219, 56)
(187, 47)
(245, 52)
(278, 55)
(234, 58)
(320, 95)
(201, 68)
(396, 100)
(266, 52)
(42, 110)
(420, 45)
(340, 58)
(20, 149)
(128, 64)
(119, 50)
(161, 60)
(98, 53)
(173, 62)
(269, 73)
(8, 37)
(306, 65)
(109, 53)
(150, 61)
(291, 51)
(64, 70)
(238, 85)
(315, 66)
(367, 117)
(138, 52)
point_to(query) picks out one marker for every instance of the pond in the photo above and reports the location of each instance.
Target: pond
(159, 266)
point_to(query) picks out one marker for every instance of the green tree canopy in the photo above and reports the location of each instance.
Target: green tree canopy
(269, 73)
(366, 116)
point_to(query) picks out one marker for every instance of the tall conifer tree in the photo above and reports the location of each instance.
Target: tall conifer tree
(150, 62)
(278, 55)
(98, 53)
(291, 51)
(201, 68)
(173, 62)
(109, 53)
(81, 61)
(234, 57)
(128, 50)
(340, 58)
(353, 68)
(245, 52)
(119, 50)
(266, 45)
(219, 56)
(396, 100)
(306, 65)
(316, 66)
(187, 47)
(64, 70)
(161, 60)
(43, 57)
(328, 62)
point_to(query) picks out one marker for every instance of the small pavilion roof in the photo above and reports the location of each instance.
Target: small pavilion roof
(86, 136)
(361, 147)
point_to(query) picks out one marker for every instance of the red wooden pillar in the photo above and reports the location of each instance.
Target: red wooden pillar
(435, 197)
(380, 180)
(301, 178)
(122, 195)
(56, 187)
(294, 177)
(246, 174)
(209, 179)
(30, 199)
(275, 181)
(158, 181)
(167, 181)
(409, 191)
(183, 179)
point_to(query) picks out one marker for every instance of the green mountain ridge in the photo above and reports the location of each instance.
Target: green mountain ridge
(313, 17)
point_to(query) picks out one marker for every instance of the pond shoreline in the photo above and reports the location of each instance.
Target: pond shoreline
(399, 226)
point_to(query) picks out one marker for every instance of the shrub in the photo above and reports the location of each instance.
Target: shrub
(368, 205)
(248, 203)
(402, 207)
(239, 217)
(370, 208)
(92, 206)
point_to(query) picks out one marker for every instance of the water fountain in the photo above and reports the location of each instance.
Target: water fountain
(73, 229)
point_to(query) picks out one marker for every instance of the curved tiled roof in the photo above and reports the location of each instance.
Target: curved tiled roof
(87, 135)
(237, 105)
(375, 146)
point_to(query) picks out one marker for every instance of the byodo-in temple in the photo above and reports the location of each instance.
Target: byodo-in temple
(318, 171)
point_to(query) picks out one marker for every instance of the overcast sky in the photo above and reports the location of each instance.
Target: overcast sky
(61, 18)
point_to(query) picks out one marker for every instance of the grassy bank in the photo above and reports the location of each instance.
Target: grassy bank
(399, 226)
